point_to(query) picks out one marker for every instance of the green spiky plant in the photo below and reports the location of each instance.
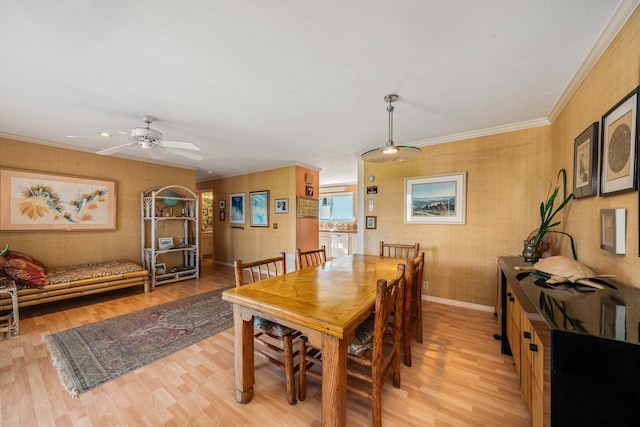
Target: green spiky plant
(547, 214)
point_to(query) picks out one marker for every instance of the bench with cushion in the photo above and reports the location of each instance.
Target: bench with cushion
(38, 284)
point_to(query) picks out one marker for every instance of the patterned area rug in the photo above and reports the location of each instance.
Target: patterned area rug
(92, 354)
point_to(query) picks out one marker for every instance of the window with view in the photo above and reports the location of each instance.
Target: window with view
(336, 207)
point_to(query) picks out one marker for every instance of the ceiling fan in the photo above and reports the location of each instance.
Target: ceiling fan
(150, 139)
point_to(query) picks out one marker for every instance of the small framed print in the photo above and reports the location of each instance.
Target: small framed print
(309, 190)
(618, 161)
(165, 243)
(372, 189)
(161, 268)
(222, 204)
(371, 222)
(282, 206)
(585, 163)
(613, 230)
(221, 215)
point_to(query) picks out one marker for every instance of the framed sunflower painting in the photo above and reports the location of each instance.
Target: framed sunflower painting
(41, 201)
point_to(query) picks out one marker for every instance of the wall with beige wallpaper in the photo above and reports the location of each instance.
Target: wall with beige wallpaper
(505, 181)
(56, 248)
(508, 177)
(615, 75)
(241, 241)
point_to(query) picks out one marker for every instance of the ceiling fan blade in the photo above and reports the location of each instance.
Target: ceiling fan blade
(180, 145)
(115, 149)
(183, 153)
(124, 133)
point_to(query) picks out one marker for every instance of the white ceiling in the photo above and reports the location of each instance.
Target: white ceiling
(263, 84)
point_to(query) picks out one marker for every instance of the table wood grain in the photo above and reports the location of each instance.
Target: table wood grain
(327, 303)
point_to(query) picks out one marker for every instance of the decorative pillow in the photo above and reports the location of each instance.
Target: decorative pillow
(271, 328)
(26, 273)
(19, 255)
(364, 338)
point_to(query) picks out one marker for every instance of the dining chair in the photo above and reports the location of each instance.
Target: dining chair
(371, 356)
(398, 250)
(272, 341)
(305, 259)
(412, 304)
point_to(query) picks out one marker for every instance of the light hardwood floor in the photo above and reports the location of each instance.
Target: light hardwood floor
(458, 378)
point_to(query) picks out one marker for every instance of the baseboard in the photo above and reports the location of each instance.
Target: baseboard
(470, 305)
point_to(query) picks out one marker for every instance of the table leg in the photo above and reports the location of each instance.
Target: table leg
(243, 355)
(334, 382)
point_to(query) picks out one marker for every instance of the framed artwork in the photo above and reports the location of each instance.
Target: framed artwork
(165, 243)
(618, 161)
(259, 202)
(307, 207)
(372, 189)
(221, 215)
(613, 230)
(161, 268)
(282, 206)
(236, 215)
(585, 163)
(222, 204)
(370, 223)
(435, 199)
(40, 201)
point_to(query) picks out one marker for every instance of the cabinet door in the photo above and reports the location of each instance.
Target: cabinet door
(537, 374)
(513, 326)
(325, 240)
(525, 360)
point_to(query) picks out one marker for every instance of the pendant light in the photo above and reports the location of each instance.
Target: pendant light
(390, 152)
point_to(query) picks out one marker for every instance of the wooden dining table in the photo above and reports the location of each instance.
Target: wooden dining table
(326, 302)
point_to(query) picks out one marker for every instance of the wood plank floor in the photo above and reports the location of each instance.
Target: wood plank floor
(458, 378)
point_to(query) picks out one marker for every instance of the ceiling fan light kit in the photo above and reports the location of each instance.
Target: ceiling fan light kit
(150, 139)
(390, 152)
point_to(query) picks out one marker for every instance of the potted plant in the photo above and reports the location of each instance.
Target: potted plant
(536, 244)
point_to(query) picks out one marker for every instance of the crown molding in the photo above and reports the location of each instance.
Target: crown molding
(617, 21)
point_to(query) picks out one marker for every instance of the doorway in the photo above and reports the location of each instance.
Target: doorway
(206, 223)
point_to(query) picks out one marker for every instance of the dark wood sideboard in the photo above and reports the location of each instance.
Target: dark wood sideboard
(577, 351)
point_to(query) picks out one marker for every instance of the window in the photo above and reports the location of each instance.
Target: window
(336, 207)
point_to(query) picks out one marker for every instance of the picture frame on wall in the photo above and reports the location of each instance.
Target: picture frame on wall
(34, 201)
(585, 163)
(613, 230)
(618, 158)
(371, 222)
(221, 215)
(222, 204)
(436, 199)
(259, 203)
(281, 206)
(236, 213)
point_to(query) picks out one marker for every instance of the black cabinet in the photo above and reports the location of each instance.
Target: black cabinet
(592, 372)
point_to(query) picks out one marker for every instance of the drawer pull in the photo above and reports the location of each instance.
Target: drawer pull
(511, 299)
(533, 347)
(508, 294)
(527, 335)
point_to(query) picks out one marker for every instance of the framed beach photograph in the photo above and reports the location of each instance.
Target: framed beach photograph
(165, 243)
(618, 162)
(436, 199)
(585, 163)
(281, 206)
(161, 268)
(31, 201)
(370, 223)
(259, 202)
(613, 230)
(236, 214)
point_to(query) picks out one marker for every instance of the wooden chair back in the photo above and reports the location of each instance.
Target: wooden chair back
(305, 259)
(397, 250)
(255, 271)
(412, 304)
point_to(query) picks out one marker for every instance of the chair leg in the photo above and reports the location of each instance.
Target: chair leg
(289, 370)
(406, 343)
(302, 369)
(419, 327)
